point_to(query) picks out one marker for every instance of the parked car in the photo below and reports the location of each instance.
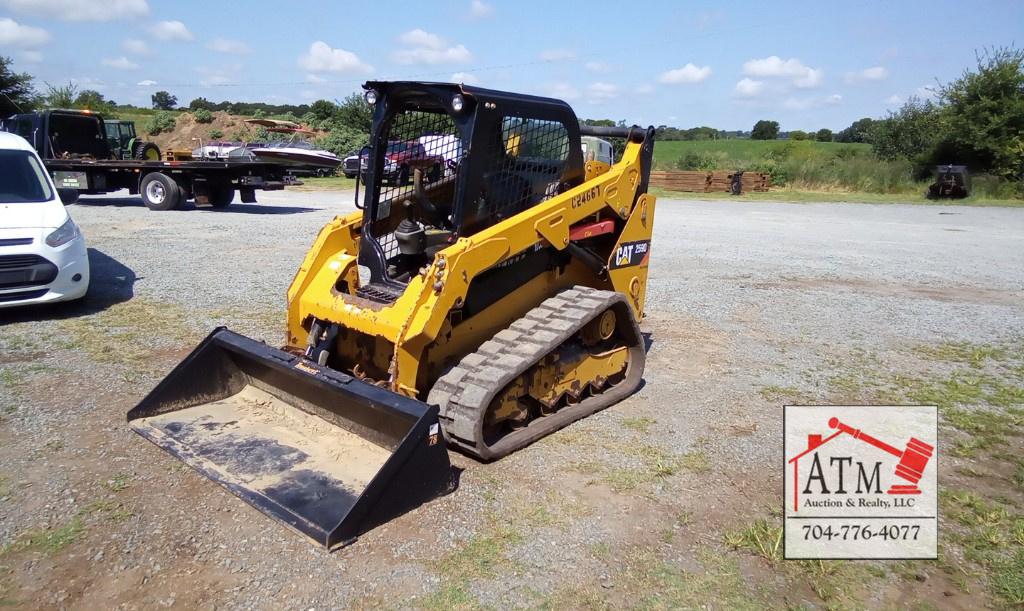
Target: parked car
(42, 253)
(350, 165)
(402, 158)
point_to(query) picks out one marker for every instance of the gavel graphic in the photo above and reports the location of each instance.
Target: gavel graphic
(913, 460)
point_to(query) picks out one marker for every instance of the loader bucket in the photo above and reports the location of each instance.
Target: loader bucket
(325, 453)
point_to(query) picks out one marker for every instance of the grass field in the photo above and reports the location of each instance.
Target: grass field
(816, 168)
(734, 153)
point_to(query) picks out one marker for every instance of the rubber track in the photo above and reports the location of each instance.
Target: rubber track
(465, 392)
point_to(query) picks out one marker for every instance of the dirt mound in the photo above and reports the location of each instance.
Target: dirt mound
(187, 132)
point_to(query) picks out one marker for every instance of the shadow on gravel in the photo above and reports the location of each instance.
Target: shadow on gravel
(136, 202)
(256, 209)
(110, 282)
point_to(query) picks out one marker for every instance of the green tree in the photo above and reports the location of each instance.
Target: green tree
(200, 103)
(93, 100)
(159, 123)
(16, 91)
(202, 115)
(322, 110)
(859, 131)
(216, 134)
(983, 115)
(355, 113)
(798, 135)
(62, 96)
(343, 140)
(163, 100)
(824, 135)
(912, 132)
(765, 130)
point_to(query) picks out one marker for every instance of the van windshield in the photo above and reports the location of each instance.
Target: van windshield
(22, 179)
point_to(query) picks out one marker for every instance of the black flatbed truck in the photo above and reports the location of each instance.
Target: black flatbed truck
(76, 152)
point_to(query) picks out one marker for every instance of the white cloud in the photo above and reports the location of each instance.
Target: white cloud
(798, 103)
(426, 48)
(894, 100)
(644, 88)
(420, 38)
(597, 66)
(794, 103)
(135, 46)
(224, 45)
(316, 80)
(480, 9)
(600, 92)
(556, 55)
(689, 73)
(791, 69)
(875, 73)
(562, 91)
(749, 88)
(32, 57)
(79, 10)
(171, 30)
(146, 83)
(465, 78)
(16, 35)
(322, 58)
(120, 63)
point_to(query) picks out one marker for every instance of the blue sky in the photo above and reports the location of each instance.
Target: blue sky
(725, 64)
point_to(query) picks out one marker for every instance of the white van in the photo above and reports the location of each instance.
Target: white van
(42, 253)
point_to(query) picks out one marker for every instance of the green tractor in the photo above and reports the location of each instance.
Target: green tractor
(124, 144)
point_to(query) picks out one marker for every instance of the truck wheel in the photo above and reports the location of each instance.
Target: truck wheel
(159, 192)
(221, 197)
(146, 151)
(434, 174)
(403, 175)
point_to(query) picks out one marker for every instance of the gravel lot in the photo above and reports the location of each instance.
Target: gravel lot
(750, 304)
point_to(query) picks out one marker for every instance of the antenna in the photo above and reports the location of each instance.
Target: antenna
(13, 103)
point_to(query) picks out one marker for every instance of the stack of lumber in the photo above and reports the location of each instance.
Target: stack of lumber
(756, 181)
(709, 182)
(691, 182)
(719, 181)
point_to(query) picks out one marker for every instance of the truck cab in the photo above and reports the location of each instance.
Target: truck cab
(62, 134)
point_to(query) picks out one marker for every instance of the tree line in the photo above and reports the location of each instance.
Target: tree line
(975, 120)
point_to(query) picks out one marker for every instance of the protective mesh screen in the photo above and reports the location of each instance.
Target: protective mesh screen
(428, 141)
(527, 167)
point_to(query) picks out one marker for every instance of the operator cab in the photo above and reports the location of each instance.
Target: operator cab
(428, 191)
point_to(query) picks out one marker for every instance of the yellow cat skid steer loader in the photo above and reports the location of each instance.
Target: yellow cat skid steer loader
(486, 295)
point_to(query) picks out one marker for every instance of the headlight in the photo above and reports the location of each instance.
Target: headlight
(64, 234)
(370, 96)
(457, 103)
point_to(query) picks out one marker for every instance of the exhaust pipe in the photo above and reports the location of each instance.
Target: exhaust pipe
(327, 454)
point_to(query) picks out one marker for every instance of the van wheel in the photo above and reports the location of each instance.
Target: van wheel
(221, 197)
(159, 192)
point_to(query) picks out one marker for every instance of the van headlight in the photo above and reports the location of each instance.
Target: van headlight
(64, 234)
